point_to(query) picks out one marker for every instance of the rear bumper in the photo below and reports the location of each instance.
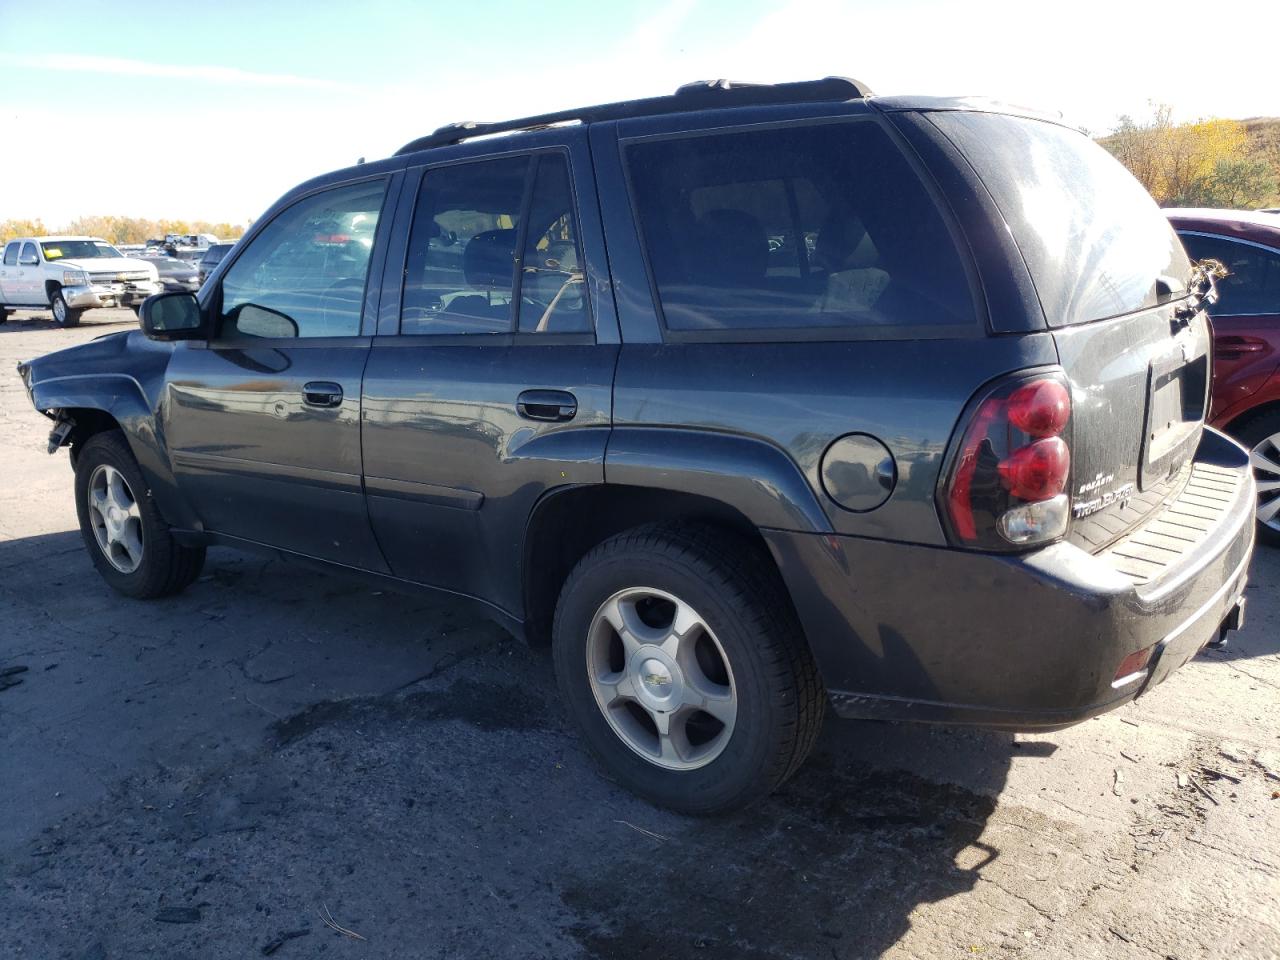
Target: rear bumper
(1031, 641)
(92, 296)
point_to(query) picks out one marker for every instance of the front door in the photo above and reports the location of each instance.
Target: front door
(494, 382)
(263, 421)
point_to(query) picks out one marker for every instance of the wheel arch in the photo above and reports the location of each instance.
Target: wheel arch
(1246, 417)
(100, 402)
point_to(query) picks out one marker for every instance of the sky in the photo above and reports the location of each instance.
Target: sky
(212, 110)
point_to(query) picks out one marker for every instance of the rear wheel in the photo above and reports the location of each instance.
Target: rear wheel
(127, 539)
(63, 315)
(1262, 436)
(4, 315)
(685, 669)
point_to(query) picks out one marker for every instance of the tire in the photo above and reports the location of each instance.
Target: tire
(155, 564)
(4, 315)
(63, 315)
(747, 654)
(1262, 436)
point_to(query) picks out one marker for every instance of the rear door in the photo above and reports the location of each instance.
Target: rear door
(1246, 318)
(9, 273)
(490, 382)
(1110, 275)
(263, 421)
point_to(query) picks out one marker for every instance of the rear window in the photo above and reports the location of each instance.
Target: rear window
(823, 226)
(1095, 242)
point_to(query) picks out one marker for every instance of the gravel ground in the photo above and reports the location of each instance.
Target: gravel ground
(223, 773)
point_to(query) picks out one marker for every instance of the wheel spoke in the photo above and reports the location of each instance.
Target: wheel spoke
(711, 698)
(1267, 511)
(685, 626)
(118, 491)
(98, 500)
(622, 617)
(617, 687)
(1262, 462)
(1268, 486)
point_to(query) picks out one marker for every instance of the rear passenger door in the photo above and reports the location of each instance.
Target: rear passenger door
(490, 380)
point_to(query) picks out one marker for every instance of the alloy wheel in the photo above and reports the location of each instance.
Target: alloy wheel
(115, 518)
(661, 678)
(1266, 469)
(59, 310)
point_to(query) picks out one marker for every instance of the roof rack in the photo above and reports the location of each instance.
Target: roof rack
(700, 95)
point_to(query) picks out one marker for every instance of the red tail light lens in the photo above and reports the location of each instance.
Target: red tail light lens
(1037, 471)
(1005, 485)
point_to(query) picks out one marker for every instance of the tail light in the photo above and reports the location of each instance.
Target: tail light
(1006, 487)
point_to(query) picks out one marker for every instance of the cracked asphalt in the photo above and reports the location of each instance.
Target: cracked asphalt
(287, 764)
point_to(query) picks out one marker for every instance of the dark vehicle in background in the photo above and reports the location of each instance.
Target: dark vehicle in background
(1246, 324)
(176, 275)
(750, 400)
(211, 257)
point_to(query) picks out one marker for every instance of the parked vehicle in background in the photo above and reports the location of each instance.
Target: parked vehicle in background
(943, 464)
(176, 274)
(212, 257)
(199, 241)
(70, 275)
(1246, 325)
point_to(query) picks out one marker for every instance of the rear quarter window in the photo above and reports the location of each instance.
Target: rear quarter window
(820, 227)
(1094, 241)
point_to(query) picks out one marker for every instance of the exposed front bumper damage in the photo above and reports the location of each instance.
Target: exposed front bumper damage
(1030, 641)
(124, 294)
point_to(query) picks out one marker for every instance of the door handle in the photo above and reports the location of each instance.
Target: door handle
(1232, 347)
(551, 405)
(321, 393)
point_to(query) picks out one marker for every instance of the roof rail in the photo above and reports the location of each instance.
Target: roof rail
(700, 95)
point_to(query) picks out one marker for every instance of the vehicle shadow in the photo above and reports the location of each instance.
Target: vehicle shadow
(458, 816)
(1261, 634)
(31, 322)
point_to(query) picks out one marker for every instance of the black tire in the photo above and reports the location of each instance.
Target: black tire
(780, 697)
(63, 315)
(4, 315)
(166, 566)
(1252, 433)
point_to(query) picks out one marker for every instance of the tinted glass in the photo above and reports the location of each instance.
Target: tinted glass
(1095, 242)
(11, 254)
(822, 226)
(461, 261)
(552, 286)
(1252, 285)
(28, 254)
(304, 274)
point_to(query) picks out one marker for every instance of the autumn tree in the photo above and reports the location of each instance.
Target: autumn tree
(1210, 162)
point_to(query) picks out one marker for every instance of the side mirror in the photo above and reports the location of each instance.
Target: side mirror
(28, 262)
(172, 316)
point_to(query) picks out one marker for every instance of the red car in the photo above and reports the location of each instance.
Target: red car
(1246, 322)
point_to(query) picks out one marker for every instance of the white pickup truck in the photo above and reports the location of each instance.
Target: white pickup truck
(70, 275)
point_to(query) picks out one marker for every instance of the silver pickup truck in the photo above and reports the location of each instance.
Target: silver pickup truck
(70, 275)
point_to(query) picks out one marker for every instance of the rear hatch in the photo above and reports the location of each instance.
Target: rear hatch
(1111, 276)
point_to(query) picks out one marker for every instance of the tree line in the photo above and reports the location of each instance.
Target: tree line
(120, 229)
(1206, 163)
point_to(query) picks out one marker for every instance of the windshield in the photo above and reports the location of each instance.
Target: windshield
(1095, 242)
(78, 249)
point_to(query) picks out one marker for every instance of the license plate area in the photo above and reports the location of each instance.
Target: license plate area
(1177, 392)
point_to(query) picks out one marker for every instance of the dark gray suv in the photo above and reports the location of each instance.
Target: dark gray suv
(748, 399)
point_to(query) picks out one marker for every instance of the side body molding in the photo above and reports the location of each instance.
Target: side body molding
(754, 477)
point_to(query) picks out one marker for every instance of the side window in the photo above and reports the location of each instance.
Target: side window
(29, 256)
(1252, 285)
(304, 275)
(553, 290)
(11, 254)
(460, 268)
(823, 226)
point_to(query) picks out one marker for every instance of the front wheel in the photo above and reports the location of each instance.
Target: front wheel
(63, 315)
(127, 539)
(683, 665)
(1262, 437)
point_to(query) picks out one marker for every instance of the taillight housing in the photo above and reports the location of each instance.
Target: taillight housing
(1008, 479)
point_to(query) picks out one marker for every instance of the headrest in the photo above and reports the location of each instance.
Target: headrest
(844, 244)
(489, 259)
(736, 249)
